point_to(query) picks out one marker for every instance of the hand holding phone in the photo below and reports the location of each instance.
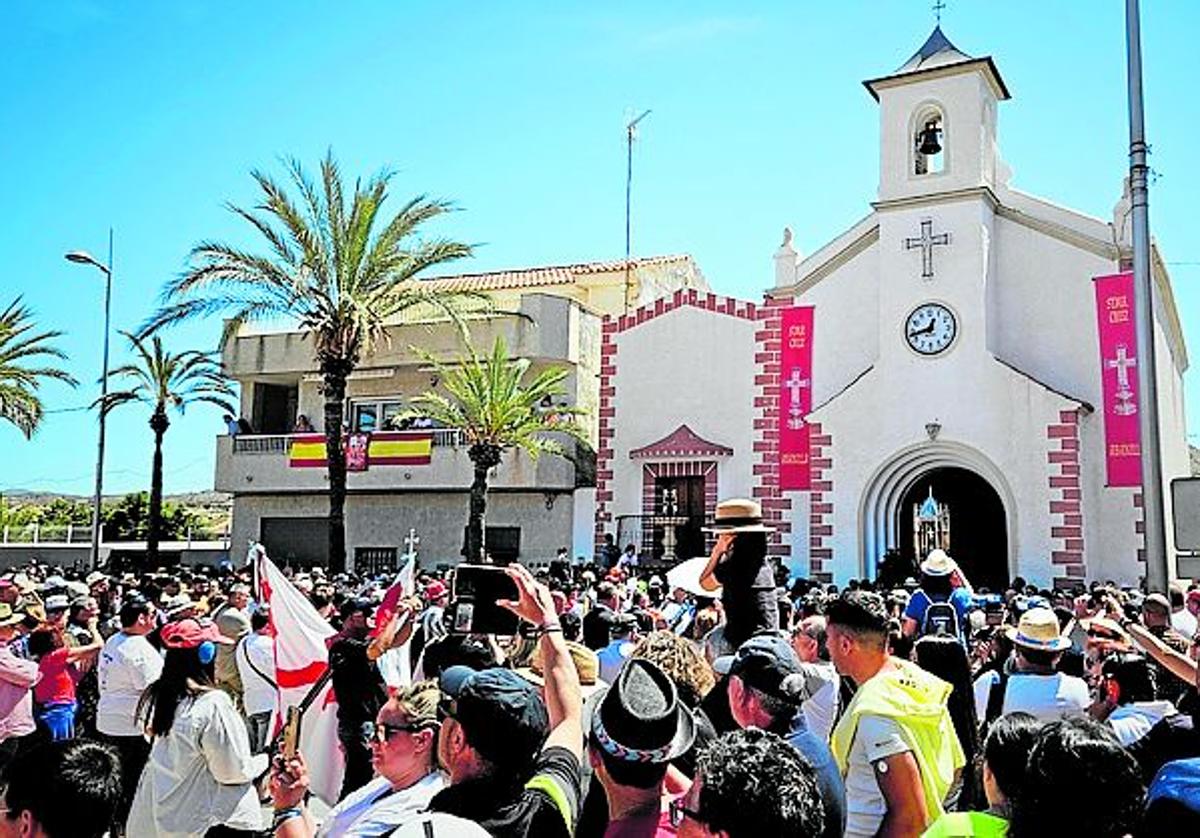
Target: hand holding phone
(289, 745)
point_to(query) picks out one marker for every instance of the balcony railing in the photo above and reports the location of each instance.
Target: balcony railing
(281, 443)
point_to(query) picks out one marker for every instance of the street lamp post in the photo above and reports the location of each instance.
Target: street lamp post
(1157, 569)
(82, 257)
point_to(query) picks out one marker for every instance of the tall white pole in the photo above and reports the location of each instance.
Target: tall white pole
(1157, 572)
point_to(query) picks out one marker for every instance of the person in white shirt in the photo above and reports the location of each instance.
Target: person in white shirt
(1129, 702)
(1030, 682)
(404, 753)
(255, 658)
(200, 773)
(1182, 619)
(127, 665)
(822, 682)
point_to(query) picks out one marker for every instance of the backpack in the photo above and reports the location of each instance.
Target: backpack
(941, 617)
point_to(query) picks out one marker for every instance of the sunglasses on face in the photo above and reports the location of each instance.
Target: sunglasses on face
(381, 732)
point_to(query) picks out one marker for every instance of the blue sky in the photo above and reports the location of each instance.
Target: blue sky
(149, 116)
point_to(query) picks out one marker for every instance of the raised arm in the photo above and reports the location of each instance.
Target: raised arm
(708, 577)
(563, 702)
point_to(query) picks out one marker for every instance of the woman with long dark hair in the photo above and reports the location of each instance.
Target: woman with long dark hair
(740, 567)
(942, 655)
(199, 780)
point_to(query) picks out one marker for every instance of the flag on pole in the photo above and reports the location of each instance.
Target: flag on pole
(395, 665)
(301, 658)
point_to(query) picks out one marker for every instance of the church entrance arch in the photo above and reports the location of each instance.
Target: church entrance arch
(982, 510)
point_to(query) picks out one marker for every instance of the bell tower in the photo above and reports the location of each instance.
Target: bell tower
(937, 122)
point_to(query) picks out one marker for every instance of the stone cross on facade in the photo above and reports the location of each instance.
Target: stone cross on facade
(411, 542)
(1124, 362)
(926, 241)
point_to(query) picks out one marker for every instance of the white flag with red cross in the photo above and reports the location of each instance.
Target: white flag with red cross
(301, 659)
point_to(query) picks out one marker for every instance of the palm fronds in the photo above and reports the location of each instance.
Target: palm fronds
(19, 382)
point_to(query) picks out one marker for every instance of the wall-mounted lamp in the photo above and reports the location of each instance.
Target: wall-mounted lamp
(932, 429)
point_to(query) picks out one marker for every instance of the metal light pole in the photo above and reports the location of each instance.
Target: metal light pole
(82, 257)
(630, 133)
(1157, 572)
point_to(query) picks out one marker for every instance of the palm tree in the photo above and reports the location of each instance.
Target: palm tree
(486, 398)
(19, 402)
(343, 272)
(161, 379)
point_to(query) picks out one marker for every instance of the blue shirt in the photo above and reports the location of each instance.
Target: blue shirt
(959, 598)
(829, 778)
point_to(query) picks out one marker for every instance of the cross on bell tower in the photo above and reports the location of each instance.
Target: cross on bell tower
(926, 242)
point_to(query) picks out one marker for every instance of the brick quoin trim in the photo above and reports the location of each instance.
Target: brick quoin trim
(606, 410)
(1066, 509)
(1139, 527)
(821, 511)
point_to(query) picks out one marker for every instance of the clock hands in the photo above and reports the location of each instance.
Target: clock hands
(927, 330)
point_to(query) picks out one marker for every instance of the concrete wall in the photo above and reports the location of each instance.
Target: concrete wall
(384, 520)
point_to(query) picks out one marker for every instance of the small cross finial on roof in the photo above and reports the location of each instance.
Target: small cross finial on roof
(937, 10)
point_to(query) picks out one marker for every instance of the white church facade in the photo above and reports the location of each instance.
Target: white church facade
(954, 354)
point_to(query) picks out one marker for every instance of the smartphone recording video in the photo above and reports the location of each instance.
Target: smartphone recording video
(476, 590)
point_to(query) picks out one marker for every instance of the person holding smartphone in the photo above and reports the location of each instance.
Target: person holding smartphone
(739, 566)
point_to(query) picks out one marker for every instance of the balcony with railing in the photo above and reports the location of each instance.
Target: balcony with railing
(271, 464)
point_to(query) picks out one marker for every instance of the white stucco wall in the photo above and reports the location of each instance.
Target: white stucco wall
(687, 366)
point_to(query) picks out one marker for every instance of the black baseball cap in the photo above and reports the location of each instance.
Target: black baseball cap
(503, 715)
(768, 663)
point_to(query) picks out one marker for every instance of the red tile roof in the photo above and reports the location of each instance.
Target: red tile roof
(681, 442)
(550, 274)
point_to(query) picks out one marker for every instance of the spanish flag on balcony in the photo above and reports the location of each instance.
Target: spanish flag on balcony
(386, 448)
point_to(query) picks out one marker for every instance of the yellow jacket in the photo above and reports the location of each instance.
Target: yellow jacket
(916, 702)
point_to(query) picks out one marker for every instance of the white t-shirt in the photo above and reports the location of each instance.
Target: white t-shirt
(821, 706)
(127, 665)
(371, 810)
(258, 693)
(1184, 623)
(1045, 697)
(875, 738)
(1133, 721)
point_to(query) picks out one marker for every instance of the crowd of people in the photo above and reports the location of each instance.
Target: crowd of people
(745, 704)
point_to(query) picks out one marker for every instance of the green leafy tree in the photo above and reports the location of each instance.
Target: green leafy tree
(162, 380)
(23, 368)
(339, 267)
(498, 411)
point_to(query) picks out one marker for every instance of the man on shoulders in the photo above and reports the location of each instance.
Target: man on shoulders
(895, 744)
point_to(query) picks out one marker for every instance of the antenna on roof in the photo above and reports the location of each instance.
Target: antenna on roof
(937, 10)
(630, 133)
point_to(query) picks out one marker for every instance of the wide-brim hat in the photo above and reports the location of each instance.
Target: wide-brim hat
(640, 719)
(9, 617)
(1038, 629)
(938, 563)
(587, 665)
(738, 515)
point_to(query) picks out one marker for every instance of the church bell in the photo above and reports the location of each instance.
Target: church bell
(927, 140)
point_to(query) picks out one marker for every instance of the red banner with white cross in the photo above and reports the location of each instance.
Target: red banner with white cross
(795, 397)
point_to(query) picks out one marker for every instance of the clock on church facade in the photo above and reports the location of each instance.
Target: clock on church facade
(930, 329)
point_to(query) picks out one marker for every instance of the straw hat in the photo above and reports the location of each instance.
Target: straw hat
(738, 515)
(587, 665)
(1038, 629)
(938, 563)
(8, 617)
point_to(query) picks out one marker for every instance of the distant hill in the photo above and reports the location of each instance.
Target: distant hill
(184, 498)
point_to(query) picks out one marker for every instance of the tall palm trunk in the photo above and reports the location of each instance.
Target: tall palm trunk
(335, 373)
(485, 456)
(159, 424)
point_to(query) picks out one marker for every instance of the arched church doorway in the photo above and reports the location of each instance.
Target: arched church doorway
(956, 509)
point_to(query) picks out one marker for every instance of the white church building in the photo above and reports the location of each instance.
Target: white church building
(954, 356)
